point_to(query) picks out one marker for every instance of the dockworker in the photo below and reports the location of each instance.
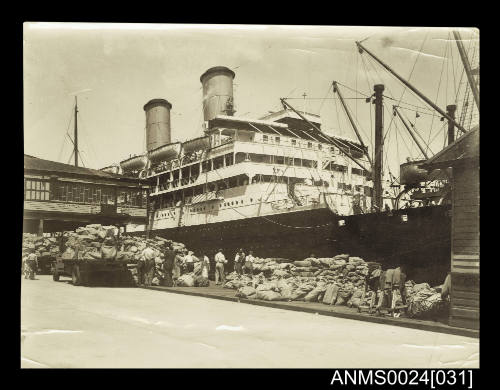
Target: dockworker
(109, 246)
(168, 265)
(205, 265)
(176, 272)
(140, 271)
(189, 261)
(24, 266)
(398, 285)
(220, 260)
(248, 268)
(446, 289)
(149, 265)
(388, 287)
(239, 258)
(31, 265)
(374, 285)
(445, 296)
(382, 290)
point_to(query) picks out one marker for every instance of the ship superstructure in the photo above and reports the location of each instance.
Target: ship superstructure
(246, 168)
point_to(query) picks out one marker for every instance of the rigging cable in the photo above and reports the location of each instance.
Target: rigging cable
(324, 99)
(64, 138)
(370, 111)
(438, 90)
(338, 118)
(409, 77)
(453, 70)
(86, 139)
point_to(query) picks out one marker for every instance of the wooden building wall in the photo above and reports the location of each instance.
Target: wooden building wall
(465, 247)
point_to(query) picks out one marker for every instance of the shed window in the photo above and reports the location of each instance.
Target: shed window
(36, 190)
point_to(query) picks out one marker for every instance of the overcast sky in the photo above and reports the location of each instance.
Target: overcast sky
(115, 69)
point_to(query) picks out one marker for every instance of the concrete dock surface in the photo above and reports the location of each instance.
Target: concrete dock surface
(64, 326)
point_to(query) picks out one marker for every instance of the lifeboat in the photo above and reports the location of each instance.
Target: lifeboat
(200, 143)
(135, 163)
(165, 152)
(111, 169)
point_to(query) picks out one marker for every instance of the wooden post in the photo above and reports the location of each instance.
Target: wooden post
(379, 141)
(40, 228)
(450, 110)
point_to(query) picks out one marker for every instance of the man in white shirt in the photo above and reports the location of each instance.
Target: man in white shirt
(220, 260)
(205, 266)
(238, 262)
(31, 265)
(189, 261)
(149, 255)
(248, 268)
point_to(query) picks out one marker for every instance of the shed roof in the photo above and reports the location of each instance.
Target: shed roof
(464, 148)
(37, 164)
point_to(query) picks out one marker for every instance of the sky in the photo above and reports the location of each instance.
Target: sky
(114, 69)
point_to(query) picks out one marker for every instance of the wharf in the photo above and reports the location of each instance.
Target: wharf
(216, 292)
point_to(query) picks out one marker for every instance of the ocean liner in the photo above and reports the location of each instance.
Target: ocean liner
(282, 187)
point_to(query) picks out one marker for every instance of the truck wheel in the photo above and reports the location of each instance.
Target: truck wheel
(84, 278)
(75, 275)
(55, 277)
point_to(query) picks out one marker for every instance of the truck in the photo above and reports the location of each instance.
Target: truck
(86, 272)
(45, 264)
(103, 267)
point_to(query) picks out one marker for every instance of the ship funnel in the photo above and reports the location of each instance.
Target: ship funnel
(157, 123)
(217, 85)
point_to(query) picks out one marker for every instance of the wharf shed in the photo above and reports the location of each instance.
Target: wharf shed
(463, 157)
(61, 197)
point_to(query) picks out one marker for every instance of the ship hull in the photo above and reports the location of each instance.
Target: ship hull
(417, 237)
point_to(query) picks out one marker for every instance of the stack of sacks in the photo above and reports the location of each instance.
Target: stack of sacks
(85, 244)
(42, 246)
(423, 300)
(131, 247)
(339, 281)
(307, 280)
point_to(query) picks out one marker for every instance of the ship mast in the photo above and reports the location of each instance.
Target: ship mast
(468, 70)
(379, 145)
(450, 109)
(411, 87)
(336, 89)
(75, 142)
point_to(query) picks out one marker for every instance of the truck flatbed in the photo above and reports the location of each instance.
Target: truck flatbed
(84, 272)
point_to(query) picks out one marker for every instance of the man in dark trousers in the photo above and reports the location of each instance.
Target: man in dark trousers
(140, 271)
(168, 265)
(398, 284)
